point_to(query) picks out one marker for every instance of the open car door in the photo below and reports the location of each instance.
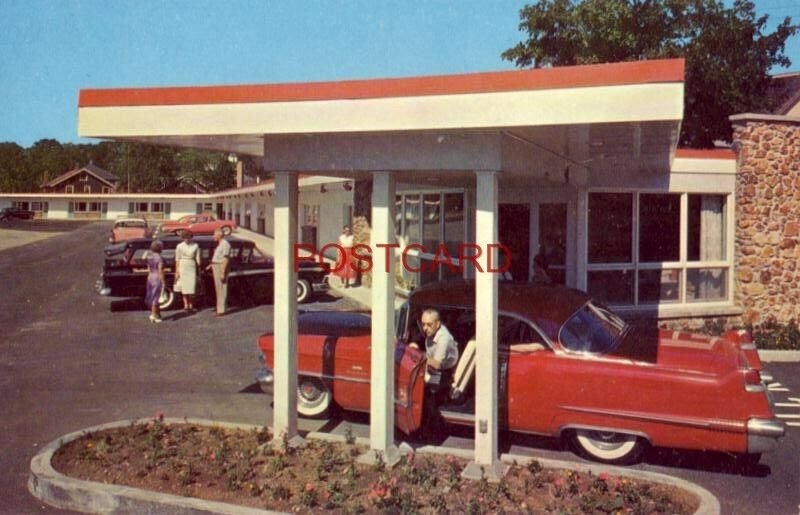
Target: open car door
(409, 388)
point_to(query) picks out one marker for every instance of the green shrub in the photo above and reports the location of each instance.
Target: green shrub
(772, 334)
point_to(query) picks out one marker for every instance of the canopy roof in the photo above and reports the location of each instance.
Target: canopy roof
(618, 112)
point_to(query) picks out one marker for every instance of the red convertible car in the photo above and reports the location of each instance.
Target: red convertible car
(568, 368)
(198, 224)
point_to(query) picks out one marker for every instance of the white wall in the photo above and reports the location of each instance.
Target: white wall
(117, 204)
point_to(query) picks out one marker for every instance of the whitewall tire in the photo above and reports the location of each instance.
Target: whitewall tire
(607, 446)
(314, 398)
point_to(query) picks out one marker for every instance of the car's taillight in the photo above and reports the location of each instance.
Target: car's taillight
(752, 380)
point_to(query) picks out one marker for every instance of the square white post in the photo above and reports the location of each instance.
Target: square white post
(381, 429)
(487, 463)
(285, 306)
(582, 247)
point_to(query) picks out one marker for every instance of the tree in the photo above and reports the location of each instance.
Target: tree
(14, 173)
(46, 160)
(728, 54)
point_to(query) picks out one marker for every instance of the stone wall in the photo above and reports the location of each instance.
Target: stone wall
(767, 217)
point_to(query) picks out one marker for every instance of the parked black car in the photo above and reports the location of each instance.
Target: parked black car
(250, 273)
(8, 213)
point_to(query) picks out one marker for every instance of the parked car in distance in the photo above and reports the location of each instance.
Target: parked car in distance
(197, 224)
(250, 273)
(127, 229)
(568, 368)
(8, 213)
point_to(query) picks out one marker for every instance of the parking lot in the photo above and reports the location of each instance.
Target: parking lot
(69, 362)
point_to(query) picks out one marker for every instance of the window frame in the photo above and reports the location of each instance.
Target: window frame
(683, 265)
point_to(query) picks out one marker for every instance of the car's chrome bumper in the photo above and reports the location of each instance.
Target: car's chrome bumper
(265, 380)
(763, 434)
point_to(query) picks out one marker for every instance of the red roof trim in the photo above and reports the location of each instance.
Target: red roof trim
(613, 74)
(717, 153)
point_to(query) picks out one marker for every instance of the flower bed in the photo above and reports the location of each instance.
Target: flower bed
(243, 467)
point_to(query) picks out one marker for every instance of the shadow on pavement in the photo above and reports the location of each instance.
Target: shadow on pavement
(708, 461)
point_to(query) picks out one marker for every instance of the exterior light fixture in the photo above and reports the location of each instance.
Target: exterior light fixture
(347, 186)
(323, 189)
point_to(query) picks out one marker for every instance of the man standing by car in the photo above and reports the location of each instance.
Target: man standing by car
(441, 351)
(219, 267)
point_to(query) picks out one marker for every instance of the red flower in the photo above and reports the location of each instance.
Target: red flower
(309, 487)
(603, 476)
(558, 482)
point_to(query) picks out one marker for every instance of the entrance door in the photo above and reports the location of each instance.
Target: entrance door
(514, 232)
(552, 240)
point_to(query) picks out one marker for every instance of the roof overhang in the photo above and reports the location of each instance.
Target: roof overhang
(544, 107)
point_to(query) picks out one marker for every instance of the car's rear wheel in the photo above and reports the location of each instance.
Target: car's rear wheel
(303, 290)
(226, 230)
(313, 397)
(607, 446)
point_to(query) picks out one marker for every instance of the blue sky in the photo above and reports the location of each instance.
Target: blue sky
(52, 49)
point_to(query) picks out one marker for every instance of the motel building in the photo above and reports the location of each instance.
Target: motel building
(578, 164)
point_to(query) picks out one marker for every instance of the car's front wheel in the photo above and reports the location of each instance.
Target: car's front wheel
(226, 230)
(314, 398)
(303, 290)
(607, 446)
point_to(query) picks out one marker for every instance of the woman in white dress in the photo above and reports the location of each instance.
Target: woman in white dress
(187, 261)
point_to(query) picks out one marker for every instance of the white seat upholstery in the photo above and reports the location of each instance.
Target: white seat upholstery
(464, 371)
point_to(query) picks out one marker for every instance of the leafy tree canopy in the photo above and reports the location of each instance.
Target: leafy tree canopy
(140, 168)
(728, 53)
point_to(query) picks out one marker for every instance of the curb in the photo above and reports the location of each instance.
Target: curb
(50, 486)
(779, 356)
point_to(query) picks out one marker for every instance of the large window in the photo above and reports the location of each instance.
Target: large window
(610, 215)
(657, 248)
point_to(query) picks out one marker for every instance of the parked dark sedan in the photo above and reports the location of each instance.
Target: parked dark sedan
(9, 213)
(250, 273)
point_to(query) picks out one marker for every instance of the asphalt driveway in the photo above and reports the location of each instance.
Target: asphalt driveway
(67, 361)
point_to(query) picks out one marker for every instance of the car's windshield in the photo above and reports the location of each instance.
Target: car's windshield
(592, 329)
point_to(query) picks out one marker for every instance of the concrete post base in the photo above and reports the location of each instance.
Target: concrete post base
(493, 473)
(390, 457)
(295, 442)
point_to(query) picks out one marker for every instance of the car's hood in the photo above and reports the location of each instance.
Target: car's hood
(677, 349)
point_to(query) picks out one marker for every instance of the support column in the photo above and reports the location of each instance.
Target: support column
(285, 309)
(582, 239)
(381, 429)
(487, 463)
